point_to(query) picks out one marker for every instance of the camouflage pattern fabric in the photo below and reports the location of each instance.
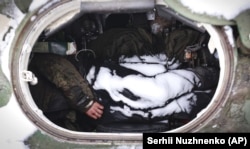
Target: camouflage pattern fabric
(122, 41)
(177, 41)
(65, 77)
(136, 41)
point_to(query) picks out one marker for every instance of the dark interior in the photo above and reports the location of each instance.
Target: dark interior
(86, 29)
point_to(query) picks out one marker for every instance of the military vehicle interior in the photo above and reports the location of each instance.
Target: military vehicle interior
(75, 39)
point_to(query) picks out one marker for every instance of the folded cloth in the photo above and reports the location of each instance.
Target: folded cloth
(134, 93)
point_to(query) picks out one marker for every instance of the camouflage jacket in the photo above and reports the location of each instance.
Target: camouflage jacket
(58, 79)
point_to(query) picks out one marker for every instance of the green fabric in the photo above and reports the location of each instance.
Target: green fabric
(116, 42)
(136, 41)
(177, 41)
(64, 76)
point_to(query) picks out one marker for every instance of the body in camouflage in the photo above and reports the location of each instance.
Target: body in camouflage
(59, 80)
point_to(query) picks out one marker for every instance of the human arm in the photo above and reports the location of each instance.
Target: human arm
(95, 111)
(65, 77)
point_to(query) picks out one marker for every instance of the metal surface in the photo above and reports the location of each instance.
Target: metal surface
(23, 5)
(162, 9)
(117, 6)
(184, 11)
(5, 89)
(243, 21)
(27, 35)
(229, 112)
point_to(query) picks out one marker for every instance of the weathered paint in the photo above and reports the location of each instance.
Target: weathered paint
(5, 89)
(23, 5)
(40, 140)
(182, 10)
(243, 21)
(235, 115)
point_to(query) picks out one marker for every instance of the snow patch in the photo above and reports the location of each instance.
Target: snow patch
(227, 9)
(36, 4)
(229, 32)
(7, 36)
(152, 92)
(15, 127)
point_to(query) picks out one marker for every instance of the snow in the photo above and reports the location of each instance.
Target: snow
(157, 63)
(15, 127)
(227, 9)
(47, 5)
(182, 104)
(229, 32)
(153, 87)
(36, 4)
(9, 33)
(32, 18)
(156, 68)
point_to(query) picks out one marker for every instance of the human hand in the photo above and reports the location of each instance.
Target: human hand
(95, 111)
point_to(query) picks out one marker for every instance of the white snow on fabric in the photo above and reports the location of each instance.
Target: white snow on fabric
(129, 112)
(153, 92)
(228, 9)
(157, 58)
(149, 65)
(155, 68)
(182, 104)
(155, 63)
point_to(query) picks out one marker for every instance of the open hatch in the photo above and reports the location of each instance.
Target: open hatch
(70, 31)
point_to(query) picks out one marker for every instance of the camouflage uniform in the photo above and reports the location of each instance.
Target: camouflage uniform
(60, 86)
(135, 41)
(66, 83)
(122, 41)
